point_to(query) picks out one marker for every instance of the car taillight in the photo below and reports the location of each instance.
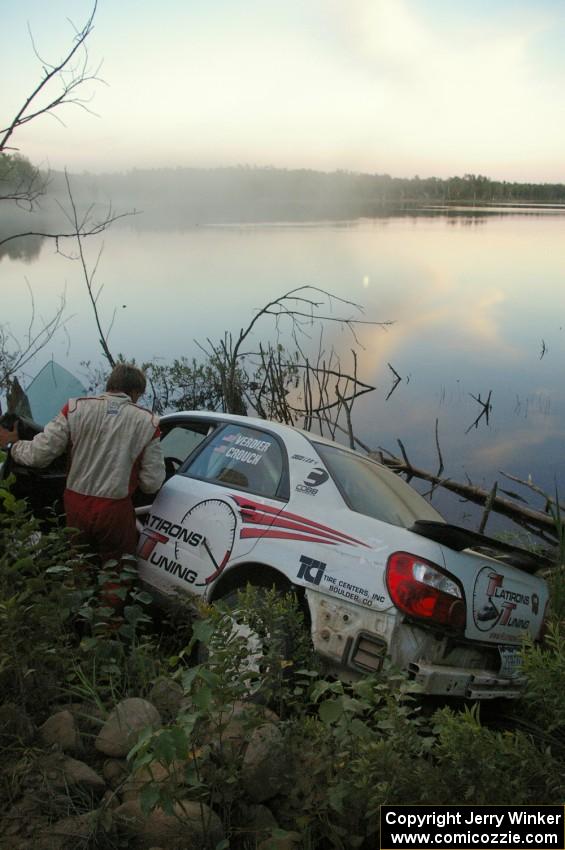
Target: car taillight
(421, 589)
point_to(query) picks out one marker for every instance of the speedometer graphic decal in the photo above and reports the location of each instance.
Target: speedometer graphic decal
(214, 522)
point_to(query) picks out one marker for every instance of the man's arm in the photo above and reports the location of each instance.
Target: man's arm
(152, 467)
(8, 437)
(44, 447)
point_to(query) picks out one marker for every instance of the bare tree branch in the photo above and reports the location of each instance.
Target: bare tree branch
(91, 228)
(71, 77)
(281, 306)
(488, 507)
(13, 355)
(87, 274)
(550, 504)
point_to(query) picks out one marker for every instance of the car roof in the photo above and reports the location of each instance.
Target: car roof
(251, 421)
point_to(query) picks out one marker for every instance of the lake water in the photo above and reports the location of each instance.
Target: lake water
(477, 301)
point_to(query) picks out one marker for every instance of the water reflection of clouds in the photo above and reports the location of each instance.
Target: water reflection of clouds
(519, 442)
(466, 319)
(447, 324)
(464, 297)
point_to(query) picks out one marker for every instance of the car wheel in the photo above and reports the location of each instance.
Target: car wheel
(271, 628)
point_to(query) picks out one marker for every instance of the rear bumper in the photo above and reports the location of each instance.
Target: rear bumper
(355, 641)
(465, 683)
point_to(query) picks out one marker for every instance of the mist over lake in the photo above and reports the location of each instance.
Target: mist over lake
(476, 298)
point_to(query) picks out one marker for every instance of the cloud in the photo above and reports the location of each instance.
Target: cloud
(378, 85)
(452, 94)
(389, 34)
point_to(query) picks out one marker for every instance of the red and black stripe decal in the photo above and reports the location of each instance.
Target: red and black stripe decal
(266, 521)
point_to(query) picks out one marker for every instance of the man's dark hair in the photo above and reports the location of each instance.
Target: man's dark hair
(126, 378)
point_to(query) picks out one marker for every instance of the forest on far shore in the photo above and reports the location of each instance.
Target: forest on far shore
(181, 197)
(309, 185)
(277, 190)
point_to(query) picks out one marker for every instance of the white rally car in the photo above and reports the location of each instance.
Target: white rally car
(381, 573)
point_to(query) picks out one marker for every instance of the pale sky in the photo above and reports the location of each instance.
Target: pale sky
(428, 87)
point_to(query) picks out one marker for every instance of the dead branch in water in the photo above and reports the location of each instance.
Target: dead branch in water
(486, 408)
(397, 380)
(534, 521)
(488, 508)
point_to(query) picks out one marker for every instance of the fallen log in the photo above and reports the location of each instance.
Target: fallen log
(539, 523)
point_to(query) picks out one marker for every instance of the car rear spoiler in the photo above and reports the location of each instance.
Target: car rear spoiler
(461, 538)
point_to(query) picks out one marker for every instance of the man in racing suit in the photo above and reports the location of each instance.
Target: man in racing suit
(113, 448)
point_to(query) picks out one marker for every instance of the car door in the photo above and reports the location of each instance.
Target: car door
(215, 508)
(180, 437)
(41, 488)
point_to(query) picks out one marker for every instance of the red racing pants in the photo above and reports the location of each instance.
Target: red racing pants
(106, 526)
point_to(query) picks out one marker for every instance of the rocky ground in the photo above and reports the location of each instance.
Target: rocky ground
(75, 788)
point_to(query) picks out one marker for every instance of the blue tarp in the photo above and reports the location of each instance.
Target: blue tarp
(50, 390)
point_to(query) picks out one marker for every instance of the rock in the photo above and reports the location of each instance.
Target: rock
(189, 828)
(114, 772)
(61, 730)
(167, 697)
(110, 801)
(155, 772)
(261, 819)
(232, 729)
(19, 818)
(78, 773)
(63, 772)
(122, 729)
(262, 772)
(69, 833)
(257, 822)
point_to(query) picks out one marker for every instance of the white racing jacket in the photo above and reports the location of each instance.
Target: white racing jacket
(114, 446)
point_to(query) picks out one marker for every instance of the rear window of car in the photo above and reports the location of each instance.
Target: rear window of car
(371, 489)
(241, 457)
(181, 440)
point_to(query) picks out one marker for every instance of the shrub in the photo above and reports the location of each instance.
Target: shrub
(544, 666)
(484, 766)
(346, 748)
(35, 605)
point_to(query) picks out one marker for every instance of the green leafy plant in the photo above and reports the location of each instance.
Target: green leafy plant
(200, 755)
(556, 578)
(544, 666)
(118, 652)
(69, 630)
(478, 764)
(35, 604)
(366, 745)
(264, 632)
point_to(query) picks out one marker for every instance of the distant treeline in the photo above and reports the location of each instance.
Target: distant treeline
(311, 186)
(184, 197)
